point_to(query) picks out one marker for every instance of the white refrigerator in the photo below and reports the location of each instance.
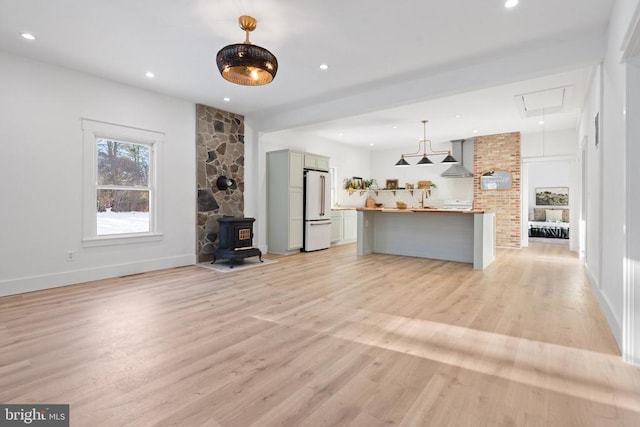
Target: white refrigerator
(317, 211)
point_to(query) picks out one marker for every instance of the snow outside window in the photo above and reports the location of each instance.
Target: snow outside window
(123, 190)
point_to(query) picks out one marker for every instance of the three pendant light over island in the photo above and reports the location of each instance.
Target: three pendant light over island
(449, 159)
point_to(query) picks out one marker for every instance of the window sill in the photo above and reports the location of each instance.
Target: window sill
(121, 239)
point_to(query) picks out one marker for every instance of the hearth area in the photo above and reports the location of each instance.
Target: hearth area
(235, 240)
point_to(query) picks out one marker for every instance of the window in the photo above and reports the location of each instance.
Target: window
(123, 190)
(334, 186)
(121, 184)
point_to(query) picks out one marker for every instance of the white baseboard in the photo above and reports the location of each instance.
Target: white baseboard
(342, 242)
(56, 280)
(605, 306)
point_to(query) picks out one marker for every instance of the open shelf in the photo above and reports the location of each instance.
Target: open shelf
(426, 191)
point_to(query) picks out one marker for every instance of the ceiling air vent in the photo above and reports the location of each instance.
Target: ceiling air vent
(542, 102)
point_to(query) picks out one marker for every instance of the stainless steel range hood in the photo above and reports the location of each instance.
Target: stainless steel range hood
(457, 171)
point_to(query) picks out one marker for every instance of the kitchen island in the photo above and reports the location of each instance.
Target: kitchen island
(452, 235)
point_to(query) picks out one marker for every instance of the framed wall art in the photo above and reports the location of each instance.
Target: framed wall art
(391, 184)
(552, 196)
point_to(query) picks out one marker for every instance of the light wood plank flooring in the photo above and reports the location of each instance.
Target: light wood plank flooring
(325, 339)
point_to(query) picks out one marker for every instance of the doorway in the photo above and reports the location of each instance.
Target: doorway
(548, 219)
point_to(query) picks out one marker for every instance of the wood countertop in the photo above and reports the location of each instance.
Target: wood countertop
(420, 210)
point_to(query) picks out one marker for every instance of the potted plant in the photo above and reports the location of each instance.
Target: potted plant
(351, 185)
(371, 184)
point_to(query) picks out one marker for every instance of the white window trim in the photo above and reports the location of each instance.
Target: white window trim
(334, 186)
(93, 129)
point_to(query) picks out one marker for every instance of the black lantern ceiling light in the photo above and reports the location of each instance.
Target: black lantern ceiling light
(423, 145)
(244, 63)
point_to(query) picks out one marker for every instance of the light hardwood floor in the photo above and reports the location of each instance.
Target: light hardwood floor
(325, 339)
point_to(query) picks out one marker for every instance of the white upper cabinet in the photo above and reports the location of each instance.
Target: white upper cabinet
(316, 162)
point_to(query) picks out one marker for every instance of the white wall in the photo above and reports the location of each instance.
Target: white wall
(348, 161)
(613, 173)
(549, 143)
(548, 174)
(41, 172)
(606, 182)
(631, 318)
(613, 182)
(592, 214)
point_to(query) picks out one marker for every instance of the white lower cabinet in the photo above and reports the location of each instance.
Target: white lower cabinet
(349, 226)
(344, 226)
(336, 226)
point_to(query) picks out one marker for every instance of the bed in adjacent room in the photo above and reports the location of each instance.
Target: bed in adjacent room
(550, 223)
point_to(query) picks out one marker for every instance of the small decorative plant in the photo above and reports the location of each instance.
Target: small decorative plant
(351, 185)
(371, 184)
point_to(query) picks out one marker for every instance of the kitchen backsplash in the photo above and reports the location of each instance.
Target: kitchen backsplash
(454, 189)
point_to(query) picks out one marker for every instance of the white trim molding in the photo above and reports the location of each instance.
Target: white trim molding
(605, 306)
(93, 129)
(631, 272)
(630, 351)
(631, 43)
(56, 280)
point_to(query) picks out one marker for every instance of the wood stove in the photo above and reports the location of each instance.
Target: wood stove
(235, 238)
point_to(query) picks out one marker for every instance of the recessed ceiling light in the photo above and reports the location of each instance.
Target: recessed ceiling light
(28, 36)
(149, 74)
(341, 134)
(226, 99)
(510, 3)
(372, 144)
(324, 67)
(541, 122)
(458, 116)
(475, 131)
(395, 127)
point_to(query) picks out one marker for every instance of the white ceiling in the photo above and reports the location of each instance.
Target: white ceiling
(487, 111)
(368, 44)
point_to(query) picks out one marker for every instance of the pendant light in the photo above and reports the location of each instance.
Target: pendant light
(425, 160)
(244, 63)
(449, 159)
(402, 162)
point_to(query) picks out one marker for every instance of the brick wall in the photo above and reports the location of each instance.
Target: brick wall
(500, 152)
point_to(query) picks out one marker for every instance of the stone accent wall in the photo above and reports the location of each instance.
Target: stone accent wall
(219, 151)
(500, 152)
